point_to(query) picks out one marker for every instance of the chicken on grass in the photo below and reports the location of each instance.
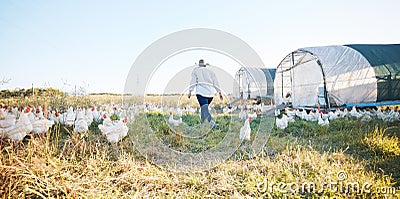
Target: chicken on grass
(81, 124)
(245, 131)
(114, 131)
(173, 121)
(20, 129)
(282, 123)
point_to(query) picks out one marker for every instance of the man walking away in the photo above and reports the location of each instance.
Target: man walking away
(206, 83)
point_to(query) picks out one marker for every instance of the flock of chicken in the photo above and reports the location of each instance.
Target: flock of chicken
(16, 123)
(323, 118)
(27, 122)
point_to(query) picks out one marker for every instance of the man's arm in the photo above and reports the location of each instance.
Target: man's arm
(193, 82)
(216, 86)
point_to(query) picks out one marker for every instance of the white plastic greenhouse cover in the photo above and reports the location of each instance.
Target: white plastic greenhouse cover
(251, 81)
(348, 75)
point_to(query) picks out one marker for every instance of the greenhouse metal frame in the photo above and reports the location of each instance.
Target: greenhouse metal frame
(254, 83)
(332, 76)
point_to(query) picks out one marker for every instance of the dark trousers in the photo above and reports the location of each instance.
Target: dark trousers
(204, 102)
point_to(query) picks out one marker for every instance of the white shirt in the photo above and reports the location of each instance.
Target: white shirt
(204, 81)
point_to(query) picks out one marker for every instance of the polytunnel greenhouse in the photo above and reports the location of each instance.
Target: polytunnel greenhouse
(361, 74)
(254, 83)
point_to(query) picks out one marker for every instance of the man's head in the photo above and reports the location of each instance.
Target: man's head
(201, 63)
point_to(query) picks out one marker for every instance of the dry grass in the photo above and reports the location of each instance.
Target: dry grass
(64, 164)
(82, 169)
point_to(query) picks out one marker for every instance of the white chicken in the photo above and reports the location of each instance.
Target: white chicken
(303, 114)
(324, 115)
(242, 114)
(179, 111)
(14, 111)
(96, 114)
(59, 118)
(392, 116)
(252, 115)
(173, 121)
(245, 131)
(343, 113)
(312, 116)
(118, 133)
(39, 112)
(355, 113)
(18, 131)
(323, 122)
(249, 106)
(30, 114)
(192, 110)
(290, 113)
(106, 120)
(70, 117)
(131, 115)
(366, 118)
(291, 119)
(114, 132)
(227, 110)
(81, 124)
(8, 121)
(282, 123)
(277, 112)
(41, 125)
(333, 116)
(89, 116)
(106, 123)
(379, 114)
(52, 117)
(3, 114)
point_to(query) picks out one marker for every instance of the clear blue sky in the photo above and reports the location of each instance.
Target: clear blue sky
(94, 43)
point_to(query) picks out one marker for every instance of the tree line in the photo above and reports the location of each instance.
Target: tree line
(28, 92)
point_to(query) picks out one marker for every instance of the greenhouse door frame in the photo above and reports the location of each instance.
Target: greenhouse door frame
(326, 97)
(327, 103)
(293, 65)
